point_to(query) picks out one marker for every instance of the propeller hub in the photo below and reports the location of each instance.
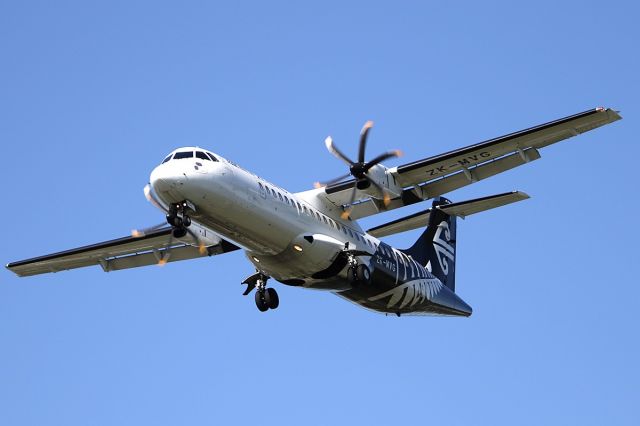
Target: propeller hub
(358, 170)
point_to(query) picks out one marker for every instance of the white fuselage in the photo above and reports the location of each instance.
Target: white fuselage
(264, 219)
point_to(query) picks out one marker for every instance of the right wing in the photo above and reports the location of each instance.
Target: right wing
(443, 173)
(121, 253)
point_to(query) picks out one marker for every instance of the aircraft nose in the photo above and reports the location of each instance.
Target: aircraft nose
(166, 178)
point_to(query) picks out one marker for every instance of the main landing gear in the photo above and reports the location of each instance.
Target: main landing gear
(357, 273)
(266, 298)
(179, 219)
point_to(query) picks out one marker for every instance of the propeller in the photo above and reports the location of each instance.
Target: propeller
(359, 169)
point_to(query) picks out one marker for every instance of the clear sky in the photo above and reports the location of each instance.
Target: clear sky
(93, 95)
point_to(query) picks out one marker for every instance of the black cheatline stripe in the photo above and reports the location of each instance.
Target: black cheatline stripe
(488, 143)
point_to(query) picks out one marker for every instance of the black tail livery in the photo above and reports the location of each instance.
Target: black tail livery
(436, 247)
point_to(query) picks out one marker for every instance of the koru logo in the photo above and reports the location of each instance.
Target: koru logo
(444, 251)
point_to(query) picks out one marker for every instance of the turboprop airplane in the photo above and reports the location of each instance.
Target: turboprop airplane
(312, 239)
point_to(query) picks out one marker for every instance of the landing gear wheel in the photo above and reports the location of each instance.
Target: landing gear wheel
(261, 301)
(363, 274)
(271, 298)
(179, 232)
(186, 221)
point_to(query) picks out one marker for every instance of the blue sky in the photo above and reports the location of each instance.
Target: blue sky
(92, 97)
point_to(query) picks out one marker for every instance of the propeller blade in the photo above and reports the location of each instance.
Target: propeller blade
(331, 182)
(336, 152)
(164, 257)
(202, 249)
(345, 214)
(380, 158)
(364, 133)
(137, 233)
(386, 198)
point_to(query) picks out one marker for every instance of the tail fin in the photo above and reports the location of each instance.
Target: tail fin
(436, 247)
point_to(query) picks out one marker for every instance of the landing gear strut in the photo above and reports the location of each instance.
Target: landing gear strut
(179, 219)
(357, 273)
(266, 298)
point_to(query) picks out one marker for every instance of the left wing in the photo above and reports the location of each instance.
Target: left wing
(440, 174)
(121, 253)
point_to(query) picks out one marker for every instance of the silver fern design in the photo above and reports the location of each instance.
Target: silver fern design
(411, 292)
(445, 252)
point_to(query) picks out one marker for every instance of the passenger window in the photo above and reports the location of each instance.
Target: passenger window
(273, 192)
(183, 154)
(202, 155)
(325, 220)
(280, 196)
(286, 200)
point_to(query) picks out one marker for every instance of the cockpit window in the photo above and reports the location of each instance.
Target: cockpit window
(183, 154)
(167, 159)
(212, 157)
(202, 155)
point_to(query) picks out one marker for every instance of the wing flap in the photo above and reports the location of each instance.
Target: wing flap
(117, 254)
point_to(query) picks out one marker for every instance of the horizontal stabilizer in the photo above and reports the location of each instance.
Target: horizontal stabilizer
(461, 209)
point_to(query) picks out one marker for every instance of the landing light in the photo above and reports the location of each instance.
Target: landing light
(297, 247)
(256, 259)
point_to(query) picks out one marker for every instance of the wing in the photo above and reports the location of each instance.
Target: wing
(440, 174)
(121, 253)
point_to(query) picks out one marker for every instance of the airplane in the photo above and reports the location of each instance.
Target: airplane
(312, 239)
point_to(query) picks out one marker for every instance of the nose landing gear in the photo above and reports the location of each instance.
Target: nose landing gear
(179, 219)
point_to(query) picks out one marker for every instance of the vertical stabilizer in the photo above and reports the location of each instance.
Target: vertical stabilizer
(436, 247)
